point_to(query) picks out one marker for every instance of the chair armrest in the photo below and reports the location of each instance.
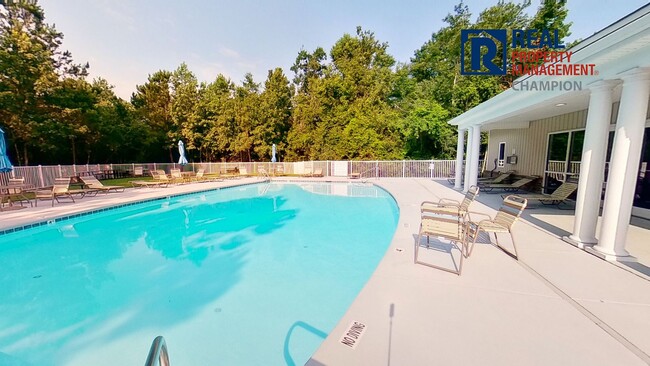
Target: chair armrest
(470, 213)
(449, 202)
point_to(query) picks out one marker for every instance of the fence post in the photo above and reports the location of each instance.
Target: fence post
(403, 168)
(40, 175)
(60, 171)
(377, 169)
(154, 166)
(74, 169)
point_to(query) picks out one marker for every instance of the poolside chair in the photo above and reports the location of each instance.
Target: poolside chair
(200, 176)
(160, 179)
(243, 172)
(439, 222)
(512, 187)
(453, 206)
(61, 188)
(177, 176)
(148, 183)
(508, 214)
(160, 176)
(92, 183)
(317, 173)
(558, 197)
(495, 180)
(16, 191)
(307, 173)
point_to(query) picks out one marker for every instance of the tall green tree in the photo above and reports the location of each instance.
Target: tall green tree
(153, 104)
(184, 124)
(275, 115)
(31, 65)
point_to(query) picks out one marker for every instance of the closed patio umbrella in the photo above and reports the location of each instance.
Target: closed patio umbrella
(181, 150)
(5, 164)
(273, 158)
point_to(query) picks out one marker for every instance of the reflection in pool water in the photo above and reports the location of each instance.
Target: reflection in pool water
(222, 275)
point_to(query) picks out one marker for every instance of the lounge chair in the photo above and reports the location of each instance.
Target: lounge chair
(453, 206)
(202, 177)
(177, 176)
(495, 180)
(317, 173)
(558, 197)
(61, 188)
(16, 191)
(354, 175)
(307, 173)
(243, 172)
(160, 179)
(508, 214)
(92, 183)
(148, 183)
(438, 221)
(160, 176)
(512, 187)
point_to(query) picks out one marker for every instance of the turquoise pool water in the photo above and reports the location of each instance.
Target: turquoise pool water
(252, 275)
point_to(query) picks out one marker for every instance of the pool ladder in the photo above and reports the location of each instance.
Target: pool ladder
(263, 173)
(158, 355)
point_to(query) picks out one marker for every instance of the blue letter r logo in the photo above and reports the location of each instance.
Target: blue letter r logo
(483, 39)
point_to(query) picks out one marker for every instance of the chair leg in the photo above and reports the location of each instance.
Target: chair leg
(417, 245)
(513, 255)
(475, 236)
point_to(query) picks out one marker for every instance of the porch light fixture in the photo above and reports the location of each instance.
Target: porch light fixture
(560, 104)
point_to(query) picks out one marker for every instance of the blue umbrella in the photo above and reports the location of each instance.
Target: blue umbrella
(5, 164)
(181, 150)
(273, 159)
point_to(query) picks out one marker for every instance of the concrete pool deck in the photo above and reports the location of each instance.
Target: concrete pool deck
(556, 305)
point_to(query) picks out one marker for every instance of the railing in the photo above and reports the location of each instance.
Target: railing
(158, 355)
(44, 175)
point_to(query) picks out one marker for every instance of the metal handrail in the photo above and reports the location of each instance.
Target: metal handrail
(264, 174)
(158, 355)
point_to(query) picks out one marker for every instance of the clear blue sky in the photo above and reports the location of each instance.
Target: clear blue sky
(126, 40)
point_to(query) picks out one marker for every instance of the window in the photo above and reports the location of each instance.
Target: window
(563, 158)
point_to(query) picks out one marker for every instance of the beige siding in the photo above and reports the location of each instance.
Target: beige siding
(530, 143)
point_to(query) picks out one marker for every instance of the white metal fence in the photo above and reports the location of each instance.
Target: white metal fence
(44, 175)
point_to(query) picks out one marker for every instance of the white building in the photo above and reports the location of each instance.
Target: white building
(565, 134)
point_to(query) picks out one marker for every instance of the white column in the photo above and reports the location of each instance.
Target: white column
(468, 156)
(476, 151)
(460, 149)
(592, 166)
(624, 164)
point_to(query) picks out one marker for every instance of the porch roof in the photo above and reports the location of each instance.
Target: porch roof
(619, 47)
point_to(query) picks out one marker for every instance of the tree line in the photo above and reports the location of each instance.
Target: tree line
(353, 102)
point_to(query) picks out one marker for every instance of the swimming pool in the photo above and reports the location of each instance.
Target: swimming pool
(251, 275)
